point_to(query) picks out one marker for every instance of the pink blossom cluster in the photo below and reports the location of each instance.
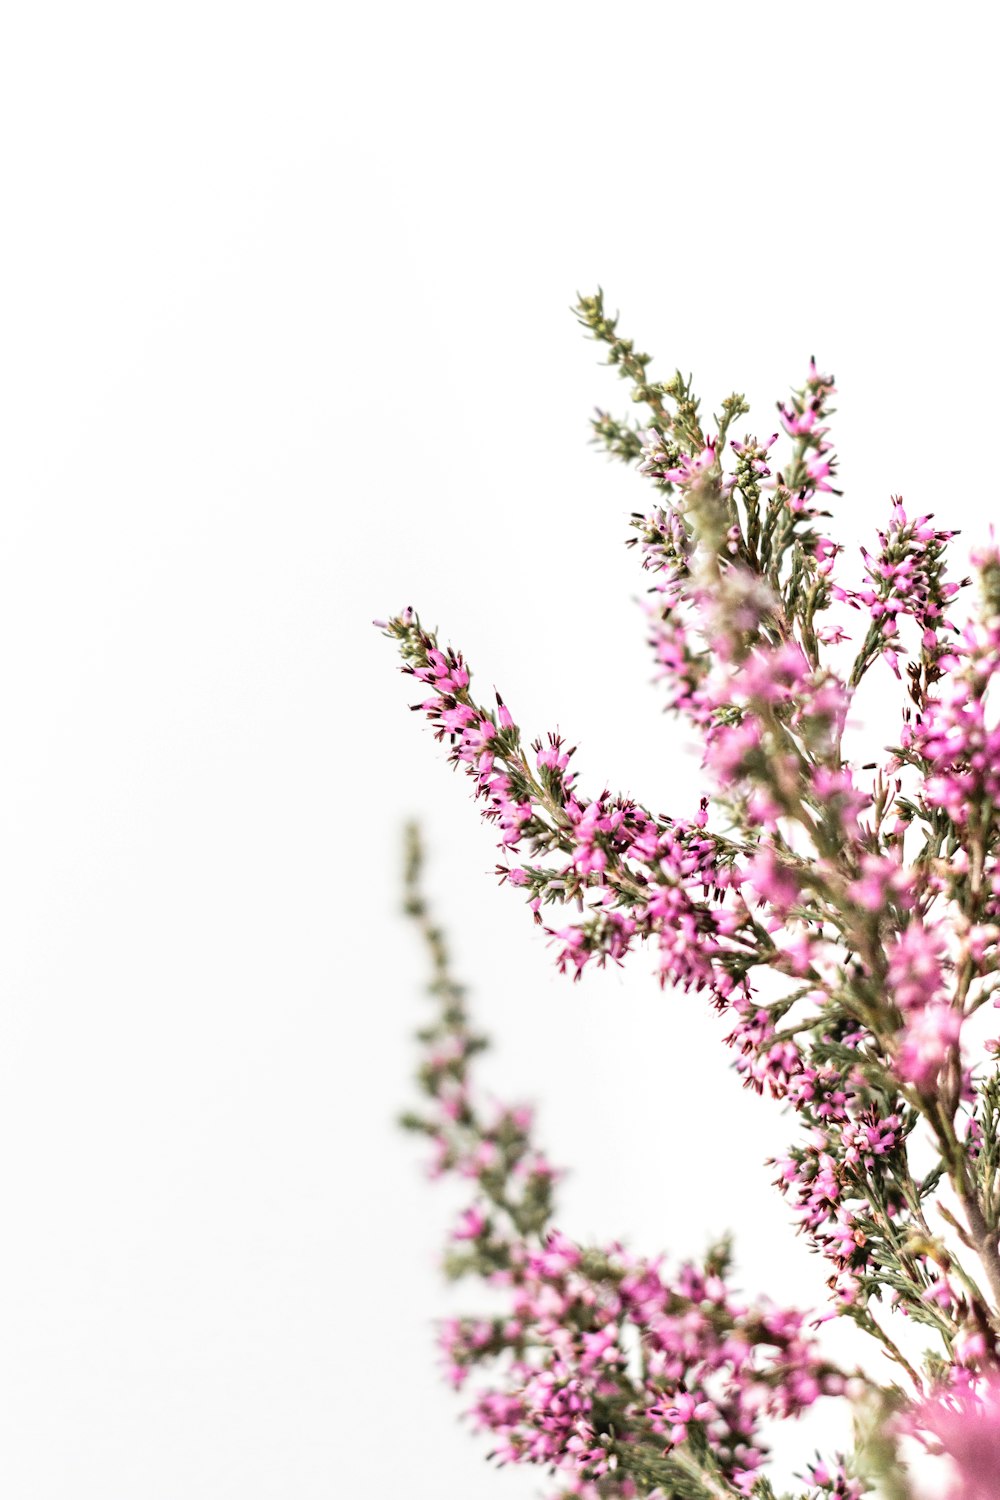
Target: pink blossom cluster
(706, 1359)
(963, 1424)
(833, 1480)
(646, 877)
(931, 1025)
(906, 578)
(954, 740)
(604, 1367)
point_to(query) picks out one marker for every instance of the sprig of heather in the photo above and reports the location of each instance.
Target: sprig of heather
(490, 1147)
(617, 1374)
(637, 877)
(867, 894)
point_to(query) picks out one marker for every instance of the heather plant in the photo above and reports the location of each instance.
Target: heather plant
(841, 910)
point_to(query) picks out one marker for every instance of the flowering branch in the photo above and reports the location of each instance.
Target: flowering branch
(843, 910)
(605, 1368)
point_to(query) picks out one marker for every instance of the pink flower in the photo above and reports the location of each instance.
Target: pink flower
(928, 1037)
(773, 880)
(966, 1424)
(914, 976)
(470, 1225)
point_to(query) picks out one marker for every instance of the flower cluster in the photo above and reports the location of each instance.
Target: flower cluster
(614, 1371)
(640, 877)
(906, 578)
(964, 1425)
(915, 981)
(844, 914)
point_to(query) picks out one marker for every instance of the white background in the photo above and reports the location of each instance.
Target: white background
(286, 346)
